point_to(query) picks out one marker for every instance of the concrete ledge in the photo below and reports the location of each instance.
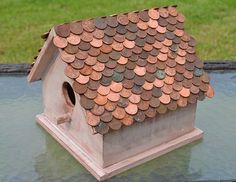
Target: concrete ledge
(105, 173)
(24, 68)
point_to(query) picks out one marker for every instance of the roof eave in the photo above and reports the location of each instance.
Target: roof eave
(43, 58)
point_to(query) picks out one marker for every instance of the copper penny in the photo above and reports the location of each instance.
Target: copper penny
(177, 86)
(164, 99)
(86, 70)
(210, 92)
(117, 46)
(123, 19)
(140, 116)
(115, 124)
(182, 102)
(162, 109)
(192, 98)
(142, 25)
(96, 43)
(154, 102)
(100, 23)
(134, 98)
(71, 72)
(82, 79)
(143, 105)
(175, 95)
(140, 71)
(122, 60)
(152, 23)
(172, 11)
(60, 42)
(92, 119)
(205, 78)
(93, 85)
(81, 55)
(100, 100)
(63, 30)
(106, 116)
(156, 92)
(91, 94)
(125, 93)
(167, 89)
(151, 112)
(116, 87)
(97, 110)
(146, 95)
(71, 49)
(154, 14)
(180, 18)
(194, 89)
(119, 113)
(77, 64)
(86, 103)
(172, 105)
(112, 21)
(79, 88)
(147, 85)
(169, 80)
(185, 92)
(99, 66)
(204, 87)
(73, 39)
(143, 15)
(76, 27)
(68, 58)
(127, 120)
(114, 97)
(99, 34)
(88, 25)
(129, 44)
(110, 106)
(170, 71)
(133, 17)
(87, 37)
(158, 83)
(123, 102)
(102, 90)
(106, 48)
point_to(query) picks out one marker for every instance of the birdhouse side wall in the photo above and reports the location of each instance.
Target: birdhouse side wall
(129, 141)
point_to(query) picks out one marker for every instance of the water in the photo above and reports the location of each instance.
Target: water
(28, 153)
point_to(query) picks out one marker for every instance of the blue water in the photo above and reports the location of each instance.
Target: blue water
(28, 153)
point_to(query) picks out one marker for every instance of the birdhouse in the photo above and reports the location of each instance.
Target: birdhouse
(121, 90)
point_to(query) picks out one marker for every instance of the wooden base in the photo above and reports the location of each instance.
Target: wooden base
(104, 173)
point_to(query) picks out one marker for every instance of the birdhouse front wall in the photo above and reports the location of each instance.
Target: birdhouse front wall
(56, 107)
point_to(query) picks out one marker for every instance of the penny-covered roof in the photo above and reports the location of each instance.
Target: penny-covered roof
(133, 66)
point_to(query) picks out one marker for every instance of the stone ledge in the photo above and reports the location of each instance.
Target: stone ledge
(24, 68)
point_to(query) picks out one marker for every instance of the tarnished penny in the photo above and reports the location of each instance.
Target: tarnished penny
(76, 28)
(151, 112)
(60, 42)
(162, 109)
(115, 124)
(123, 19)
(79, 88)
(106, 117)
(140, 116)
(63, 30)
(102, 128)
(110, 106)
(97, 110)
(92, 119)
(86, 103)
(119, 113)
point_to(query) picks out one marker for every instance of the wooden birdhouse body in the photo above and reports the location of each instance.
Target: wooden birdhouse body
(119, 91)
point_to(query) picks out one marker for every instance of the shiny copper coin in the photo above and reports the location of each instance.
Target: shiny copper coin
(129, 44)
(86, 70)
(152, 23)
(106, 48)
(86, 103)
(158, 83)
(169, 80)
(79, 88)
(96, 76)
(180, 17)
(60, 42)
(210, 92)
(142, 25)
(82, 79)
(164, 99)
(110, 106)
(140, 116)
(116, 87)
(71, 72)
(102, 90)
(122, 60)
(133, 17)
(131, 109)
(119, 113)
(68, 58)
(92, 119)
(99, 66)
(96, 43)
(88, 25)
(114, 97)
(154, 14)
(147, 85)
(162, 109)
(140, 71)
(167, 89)
(127, 120)
(117, 46)
(184, 92)
(100, 100)
(97, 110)
(115, 124)
(73, 39)
(182, 102)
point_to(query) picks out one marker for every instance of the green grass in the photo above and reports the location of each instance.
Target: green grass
(211, 22)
